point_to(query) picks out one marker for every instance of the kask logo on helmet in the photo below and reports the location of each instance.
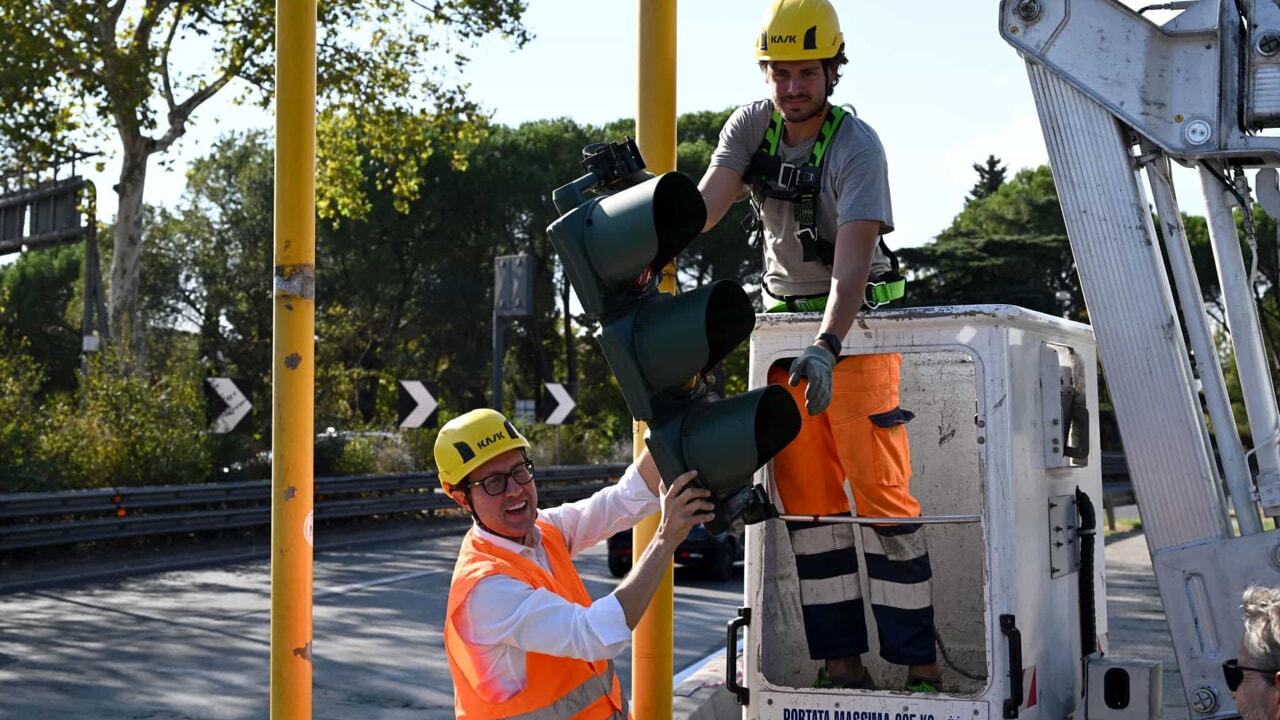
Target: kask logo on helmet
(486, 442)
(784, 39)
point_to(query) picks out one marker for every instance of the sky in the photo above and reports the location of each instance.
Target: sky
(933, 77)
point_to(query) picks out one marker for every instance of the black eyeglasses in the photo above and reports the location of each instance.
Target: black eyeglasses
(1233, 673)
(496, 484)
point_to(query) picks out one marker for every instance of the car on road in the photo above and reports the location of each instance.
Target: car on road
(717, 554)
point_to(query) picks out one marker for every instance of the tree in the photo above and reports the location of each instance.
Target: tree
(209, 260)
(990, 178)
(116, 430)
(79, 72)
(39, 312)
(22, 423)
(1007, 247)
(408, 295)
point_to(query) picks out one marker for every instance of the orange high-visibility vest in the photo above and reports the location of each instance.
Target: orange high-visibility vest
(556, 688)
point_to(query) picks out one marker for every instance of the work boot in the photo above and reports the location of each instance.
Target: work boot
(921, 684)
(865, 682)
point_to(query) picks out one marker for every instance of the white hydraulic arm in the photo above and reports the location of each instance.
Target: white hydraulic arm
(1118, 97)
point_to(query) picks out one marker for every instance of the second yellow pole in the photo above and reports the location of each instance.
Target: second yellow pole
(293, 368)
(652, 642)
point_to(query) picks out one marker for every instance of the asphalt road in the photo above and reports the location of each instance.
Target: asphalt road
(194, 643)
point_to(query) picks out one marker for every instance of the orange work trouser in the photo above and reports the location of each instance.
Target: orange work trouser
(861, 436)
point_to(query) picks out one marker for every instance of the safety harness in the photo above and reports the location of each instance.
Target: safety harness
(772, 178)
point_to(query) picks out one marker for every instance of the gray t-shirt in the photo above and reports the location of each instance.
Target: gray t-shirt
(855, 186)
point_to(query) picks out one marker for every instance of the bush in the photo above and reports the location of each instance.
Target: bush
(361, 453)
(127, 431)
(583, 443)
(22, 420)
(375, 454)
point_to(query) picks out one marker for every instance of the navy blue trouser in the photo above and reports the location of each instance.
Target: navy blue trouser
(900, 582)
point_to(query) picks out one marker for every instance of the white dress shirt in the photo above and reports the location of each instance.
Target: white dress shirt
(503, 618)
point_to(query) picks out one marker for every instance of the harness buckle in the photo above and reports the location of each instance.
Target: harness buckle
(809, 178)
(871, 300)
(808, 238)
(786, 175)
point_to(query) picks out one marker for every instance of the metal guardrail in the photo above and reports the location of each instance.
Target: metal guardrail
(30, 520)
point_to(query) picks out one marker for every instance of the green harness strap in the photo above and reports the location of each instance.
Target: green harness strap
(802, 186)
(878, 293)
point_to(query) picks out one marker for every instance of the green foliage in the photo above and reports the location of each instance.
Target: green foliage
(22, 423)
(210, 262)
(83, 75)
(991, 176)
(366, 456)
(40, 307)
(725, 252)
(123, 431)
(1007, 247)
(77, 72)
(409, 295)
(577, 444)
(361, 453)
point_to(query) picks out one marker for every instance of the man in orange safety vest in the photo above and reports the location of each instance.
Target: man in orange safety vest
(523, 637)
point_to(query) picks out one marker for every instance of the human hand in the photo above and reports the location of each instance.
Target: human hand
(814, 364)
(683, 506)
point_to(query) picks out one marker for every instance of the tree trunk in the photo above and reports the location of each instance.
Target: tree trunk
(126, 258)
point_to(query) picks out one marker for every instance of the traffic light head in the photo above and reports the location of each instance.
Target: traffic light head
(613, 248)
(661, 346)
(726, 441)
(668, 342)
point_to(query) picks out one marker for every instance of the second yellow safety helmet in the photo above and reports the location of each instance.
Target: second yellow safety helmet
(799, 30)
(471, 440)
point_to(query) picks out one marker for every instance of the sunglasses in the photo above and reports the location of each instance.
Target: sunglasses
(1233, 673)
(496, 484)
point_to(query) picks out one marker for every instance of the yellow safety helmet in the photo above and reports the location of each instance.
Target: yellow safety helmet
(799, 30)
(471, 440)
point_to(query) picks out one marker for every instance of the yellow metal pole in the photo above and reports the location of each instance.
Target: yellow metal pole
(293, 367)
(652, 642)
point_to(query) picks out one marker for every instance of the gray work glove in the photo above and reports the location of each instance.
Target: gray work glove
(815, 365)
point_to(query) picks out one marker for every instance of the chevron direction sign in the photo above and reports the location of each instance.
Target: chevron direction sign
(227, 403)
(559, 405)
(417, 404)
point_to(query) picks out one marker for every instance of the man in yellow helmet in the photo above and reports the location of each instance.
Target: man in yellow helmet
(522, 636)
(818, 183)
